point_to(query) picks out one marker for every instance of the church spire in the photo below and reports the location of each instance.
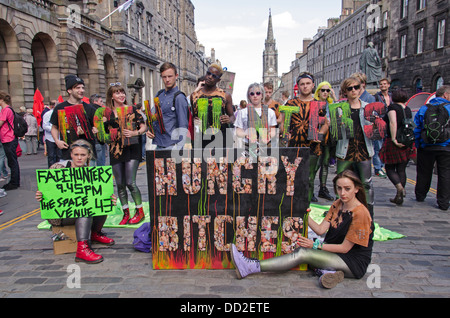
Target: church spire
(270, 37)
(270, 55)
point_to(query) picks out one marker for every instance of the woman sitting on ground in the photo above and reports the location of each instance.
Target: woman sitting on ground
(86, 227)
(346, 250)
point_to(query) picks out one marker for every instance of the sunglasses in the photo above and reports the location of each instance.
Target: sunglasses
(115, 84)
(350, 88)
(323, 90)
(253, 94)
(208, 73)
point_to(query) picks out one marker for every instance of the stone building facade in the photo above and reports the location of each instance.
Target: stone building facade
(419, 45)
(335, 50)
(411, 37)
(42, 41)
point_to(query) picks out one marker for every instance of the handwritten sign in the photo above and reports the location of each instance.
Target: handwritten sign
(200, 204)
(75, 192)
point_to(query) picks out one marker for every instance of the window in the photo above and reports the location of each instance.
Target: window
(383, 49)
(132, 67)
(419, 41)
(440, 34)
(404, 9)
(385, 19)
(421, 4)
(418, 85)
(403, 46)
(439, 82)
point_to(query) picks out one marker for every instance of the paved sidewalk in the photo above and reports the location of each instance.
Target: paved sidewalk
(415, 266)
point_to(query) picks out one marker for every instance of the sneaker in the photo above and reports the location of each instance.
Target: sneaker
(329, 279)
(381, 174)
(244, 266)
(2, 193)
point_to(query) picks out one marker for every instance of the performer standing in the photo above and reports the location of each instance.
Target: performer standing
(125, 159)
(75, 88)
(256, 112)
(174, 109)
(213, 106)
(356, 152)
(300, 124)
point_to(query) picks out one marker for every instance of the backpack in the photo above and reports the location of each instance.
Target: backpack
(436, 124)
(20, 125)
(142, 238)
(189, 113)
(405, 133)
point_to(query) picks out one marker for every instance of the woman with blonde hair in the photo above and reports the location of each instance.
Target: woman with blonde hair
(125, 159)
(356, 152)
(324, 93)
(86, 228)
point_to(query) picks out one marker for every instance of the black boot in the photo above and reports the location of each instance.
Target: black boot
(325, 194)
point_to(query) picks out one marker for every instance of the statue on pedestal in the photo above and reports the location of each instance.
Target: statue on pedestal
(370, 64)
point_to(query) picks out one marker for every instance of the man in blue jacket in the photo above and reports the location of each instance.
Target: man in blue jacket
(430, 153)
(174, 108)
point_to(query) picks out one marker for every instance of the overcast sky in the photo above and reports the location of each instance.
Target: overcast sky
(237, 31)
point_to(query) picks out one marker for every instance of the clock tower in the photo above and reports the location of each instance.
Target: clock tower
(270, 57)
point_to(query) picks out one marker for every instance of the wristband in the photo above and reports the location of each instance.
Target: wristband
(317, 245)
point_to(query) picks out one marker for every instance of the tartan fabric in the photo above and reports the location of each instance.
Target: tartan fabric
(391, 154)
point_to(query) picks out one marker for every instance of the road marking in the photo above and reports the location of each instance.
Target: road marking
(19, 219)
(434, 191)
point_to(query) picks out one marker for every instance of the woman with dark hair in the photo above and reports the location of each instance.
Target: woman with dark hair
(124, 158)
(346, 250)
(394, 154)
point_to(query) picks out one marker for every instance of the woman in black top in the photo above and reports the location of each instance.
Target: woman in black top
(394, 154)
(125, 150)
(347, 248)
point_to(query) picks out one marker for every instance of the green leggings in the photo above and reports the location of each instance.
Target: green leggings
(314, 258)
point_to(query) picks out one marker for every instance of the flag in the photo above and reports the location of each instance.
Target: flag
(38, 106)
(60, 99)
(125, 6)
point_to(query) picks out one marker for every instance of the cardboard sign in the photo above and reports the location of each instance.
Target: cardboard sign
(75, 192)
(227, 82)
(341, 123)
(127, 120)
(201, 203)
(69, 119)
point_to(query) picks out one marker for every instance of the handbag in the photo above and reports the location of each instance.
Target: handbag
(18, 151)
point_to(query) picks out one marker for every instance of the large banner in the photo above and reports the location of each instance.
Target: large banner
(75, 192)
(202, 202)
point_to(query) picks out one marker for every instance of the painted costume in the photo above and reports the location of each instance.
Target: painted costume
(208, 107)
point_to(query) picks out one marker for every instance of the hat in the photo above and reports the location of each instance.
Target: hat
(72, 80)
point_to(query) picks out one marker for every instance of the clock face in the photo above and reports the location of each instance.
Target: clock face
(270, 69)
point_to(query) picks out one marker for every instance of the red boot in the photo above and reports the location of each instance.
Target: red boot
(85, 254)
(126, 216)
(100, 237)
(138, 217)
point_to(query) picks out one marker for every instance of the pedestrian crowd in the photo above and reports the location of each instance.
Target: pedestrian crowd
(363, 135)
